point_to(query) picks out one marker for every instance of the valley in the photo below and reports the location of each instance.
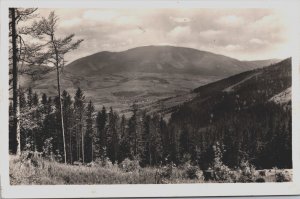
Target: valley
(147, 76)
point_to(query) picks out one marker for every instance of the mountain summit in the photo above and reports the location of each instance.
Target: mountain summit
(161, 59)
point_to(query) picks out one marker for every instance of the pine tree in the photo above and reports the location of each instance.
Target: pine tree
(101, 121)
(124, 148)
(184, 141)
(68, 123)
(155, 140)
(115, 135)
(133, 136)
(49, 126)
(89, 135)
(22, 98)
(165, 138)
(35, 99)
(29, 98)
(146, 157)
(79, 109)
(58, 144)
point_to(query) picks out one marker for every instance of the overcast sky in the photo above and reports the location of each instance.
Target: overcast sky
(246, 34)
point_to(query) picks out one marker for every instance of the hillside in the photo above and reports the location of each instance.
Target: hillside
(142, 75)
(244, 107)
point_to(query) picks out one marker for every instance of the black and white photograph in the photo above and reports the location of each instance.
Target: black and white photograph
(148, 95)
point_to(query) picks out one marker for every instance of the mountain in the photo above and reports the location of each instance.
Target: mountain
(142, 75)
(161, 59)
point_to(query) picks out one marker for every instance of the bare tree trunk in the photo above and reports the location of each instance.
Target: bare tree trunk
(59, 97)
(92, 151)
(16, 105)
(71, 158)
(61, 113)
(78, 144)
(82, 143)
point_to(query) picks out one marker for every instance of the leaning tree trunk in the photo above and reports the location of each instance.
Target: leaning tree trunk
(16, 105)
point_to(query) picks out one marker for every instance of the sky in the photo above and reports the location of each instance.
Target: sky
(244, 33)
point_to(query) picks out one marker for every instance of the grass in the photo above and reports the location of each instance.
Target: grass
(45, 172)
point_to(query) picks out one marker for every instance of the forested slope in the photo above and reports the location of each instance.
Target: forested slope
(237, 112)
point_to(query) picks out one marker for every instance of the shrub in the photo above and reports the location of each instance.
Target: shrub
(247, 172)
(106, 163)
(262, 173)
(31, 158)
(193, 172)
(282, 176)
(186, 158)
(128, 165)
(166, 171)
(57, 156)
(221, 172)
(48, 148)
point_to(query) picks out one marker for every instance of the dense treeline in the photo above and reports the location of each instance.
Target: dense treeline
(260, 135)
(90, 135)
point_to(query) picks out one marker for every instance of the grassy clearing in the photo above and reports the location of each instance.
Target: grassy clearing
(53, 173)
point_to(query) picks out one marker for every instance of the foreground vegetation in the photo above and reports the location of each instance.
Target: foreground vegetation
(36, 170)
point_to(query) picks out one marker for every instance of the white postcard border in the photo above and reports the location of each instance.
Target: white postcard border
(205, 189)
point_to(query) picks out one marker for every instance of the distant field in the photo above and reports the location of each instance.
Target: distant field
(51, 173)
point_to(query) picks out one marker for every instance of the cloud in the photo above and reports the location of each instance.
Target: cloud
(127, 20)
(239, 33)
(232, 47)
(180, 19)
(71, 22)
(231, 21)
(258, 41)
(104, 16)
(270, 21)
(180, 33)
(211, 33)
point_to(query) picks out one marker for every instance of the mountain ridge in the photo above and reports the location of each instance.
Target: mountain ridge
(162, 59)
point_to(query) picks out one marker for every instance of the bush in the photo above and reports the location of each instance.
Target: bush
(221, 172)
(247, 172)
(48, 148)
(31, 158)
(262, 173)
(106, 163)
(128, 165)
(282, 176)
(166, 171)
(186, 159)
(193, 172)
